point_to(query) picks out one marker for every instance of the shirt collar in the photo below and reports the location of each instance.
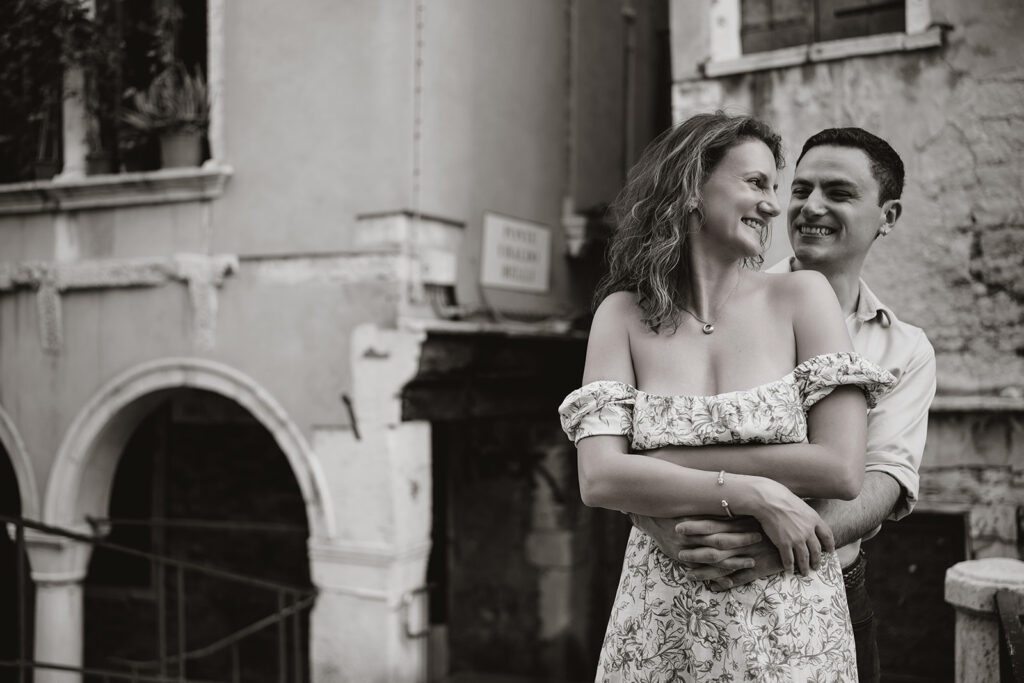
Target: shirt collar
(869, 307)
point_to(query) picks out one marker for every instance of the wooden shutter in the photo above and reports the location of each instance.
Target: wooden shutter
(851, 18)
(771, 24)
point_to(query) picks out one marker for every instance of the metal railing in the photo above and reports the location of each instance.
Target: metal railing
(291, 603)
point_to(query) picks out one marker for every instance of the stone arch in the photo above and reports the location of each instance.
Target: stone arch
(22, 465)
(83, 473)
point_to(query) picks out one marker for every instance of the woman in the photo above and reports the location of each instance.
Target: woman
(689, 348)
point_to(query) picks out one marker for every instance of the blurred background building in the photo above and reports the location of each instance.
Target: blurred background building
(307, 370)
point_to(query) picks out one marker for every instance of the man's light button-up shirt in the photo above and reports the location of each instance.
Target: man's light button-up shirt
(898, 425)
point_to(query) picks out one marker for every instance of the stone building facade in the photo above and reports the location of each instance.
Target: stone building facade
(318, 295)
(312, 298)
(942, 82)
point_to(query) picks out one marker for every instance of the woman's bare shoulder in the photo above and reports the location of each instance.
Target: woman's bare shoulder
(620, 307)
(799, 288)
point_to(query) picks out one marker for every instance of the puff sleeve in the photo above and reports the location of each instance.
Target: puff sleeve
(819, 376)
(598, 408)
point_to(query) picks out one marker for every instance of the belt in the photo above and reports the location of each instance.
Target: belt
(853, 575)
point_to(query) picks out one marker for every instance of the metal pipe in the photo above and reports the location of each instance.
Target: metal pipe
(161, 617)
(181, 625)
(297, 638)
(19, 558)
(282, 634)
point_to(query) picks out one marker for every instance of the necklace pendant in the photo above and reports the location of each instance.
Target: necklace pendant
(708, 328)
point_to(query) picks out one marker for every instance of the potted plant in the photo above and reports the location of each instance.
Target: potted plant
(176, 109)
(39, 41)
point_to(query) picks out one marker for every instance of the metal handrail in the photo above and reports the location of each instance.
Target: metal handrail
(173, 562)
(204, 524)
(300, 598)
(223, 643)
(104, 673)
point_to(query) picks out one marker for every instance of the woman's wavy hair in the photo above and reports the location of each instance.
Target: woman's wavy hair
(647, 251)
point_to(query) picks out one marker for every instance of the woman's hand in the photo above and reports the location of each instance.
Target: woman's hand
(793, 526)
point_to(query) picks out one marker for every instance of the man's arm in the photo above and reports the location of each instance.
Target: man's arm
(735, 552)
(852, 520)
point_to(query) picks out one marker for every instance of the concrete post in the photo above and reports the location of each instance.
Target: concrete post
(58, 569)
(970, 588)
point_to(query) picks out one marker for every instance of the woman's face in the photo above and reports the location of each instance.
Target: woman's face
(739, 198)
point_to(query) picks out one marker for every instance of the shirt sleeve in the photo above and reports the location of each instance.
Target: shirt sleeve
(898, 425)
(819, 376)
(599, 408)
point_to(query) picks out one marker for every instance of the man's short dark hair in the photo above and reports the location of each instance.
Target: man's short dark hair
(886, 165)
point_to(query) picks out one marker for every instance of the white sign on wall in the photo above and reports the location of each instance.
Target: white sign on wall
(516, 254)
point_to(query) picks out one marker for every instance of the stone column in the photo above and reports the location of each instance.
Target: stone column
(549, 547)
(370, 620)
(58, 568)
(971, 588)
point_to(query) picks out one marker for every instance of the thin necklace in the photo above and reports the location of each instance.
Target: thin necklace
(709, 325)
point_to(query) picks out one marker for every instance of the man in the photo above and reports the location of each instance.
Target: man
(845, 195)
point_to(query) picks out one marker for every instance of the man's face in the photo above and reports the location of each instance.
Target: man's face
(833, 214)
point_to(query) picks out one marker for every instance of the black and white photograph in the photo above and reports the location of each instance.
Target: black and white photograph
(511, 341)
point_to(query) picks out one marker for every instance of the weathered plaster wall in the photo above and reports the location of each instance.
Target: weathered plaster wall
(493, 128)
(283, 323)
(953, 113)
(496, 102)
(318, 99)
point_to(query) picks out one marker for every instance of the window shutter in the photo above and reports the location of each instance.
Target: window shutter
(851, 18)
(772, 24)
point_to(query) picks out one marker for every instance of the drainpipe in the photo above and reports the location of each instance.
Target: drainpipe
(628, 86)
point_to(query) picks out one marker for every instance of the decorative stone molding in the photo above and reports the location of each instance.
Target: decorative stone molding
(332, 269)
(202, 274)
(57, 559)
(83, 471)
(428, 246)
(76, 192)
(21, 463)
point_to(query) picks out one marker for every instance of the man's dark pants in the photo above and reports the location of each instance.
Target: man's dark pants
(863, 618)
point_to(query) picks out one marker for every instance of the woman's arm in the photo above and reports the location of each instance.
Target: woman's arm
(831, 464)
(612, 477)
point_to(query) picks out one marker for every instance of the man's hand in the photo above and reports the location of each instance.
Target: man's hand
(709, 547)
(718, 552)
(766, 561)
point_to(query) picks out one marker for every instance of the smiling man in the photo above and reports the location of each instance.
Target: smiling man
(845, 196)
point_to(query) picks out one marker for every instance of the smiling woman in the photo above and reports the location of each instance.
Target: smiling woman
(657, 384)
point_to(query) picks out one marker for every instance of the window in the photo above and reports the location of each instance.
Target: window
(773, 24)
(68, 69)
(751, 35)
(152, 35)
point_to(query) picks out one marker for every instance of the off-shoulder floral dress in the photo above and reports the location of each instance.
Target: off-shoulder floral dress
(665, 628)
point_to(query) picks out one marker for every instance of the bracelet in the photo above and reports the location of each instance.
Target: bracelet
(725, 503)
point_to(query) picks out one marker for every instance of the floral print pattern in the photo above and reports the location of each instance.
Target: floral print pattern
(665, 629)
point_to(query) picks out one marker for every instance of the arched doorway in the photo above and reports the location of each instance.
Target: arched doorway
(10, 617)
(202, 481)
(18, 498)
(82, 481)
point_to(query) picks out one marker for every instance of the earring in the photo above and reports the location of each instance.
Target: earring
(884, 230)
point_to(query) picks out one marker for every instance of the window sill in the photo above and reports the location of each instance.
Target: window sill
(123, 189)
(826, 51)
